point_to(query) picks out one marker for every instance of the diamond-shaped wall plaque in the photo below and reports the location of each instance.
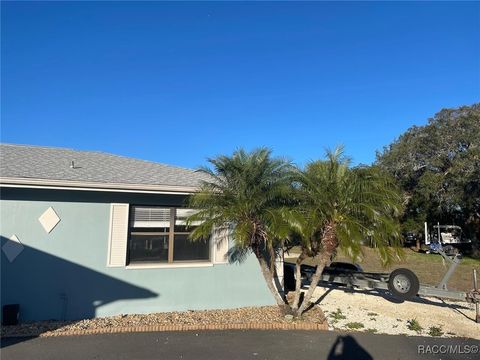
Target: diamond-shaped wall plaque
(49, 219)
(12, 248)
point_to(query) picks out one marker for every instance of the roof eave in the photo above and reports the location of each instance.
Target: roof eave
(33, 183)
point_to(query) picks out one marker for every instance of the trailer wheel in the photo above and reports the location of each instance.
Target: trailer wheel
(403, 284)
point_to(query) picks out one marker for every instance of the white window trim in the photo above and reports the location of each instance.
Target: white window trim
(170, 266)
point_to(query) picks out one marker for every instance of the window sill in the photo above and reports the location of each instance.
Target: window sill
(170, 266)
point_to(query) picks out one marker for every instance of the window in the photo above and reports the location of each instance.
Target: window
(160, 235)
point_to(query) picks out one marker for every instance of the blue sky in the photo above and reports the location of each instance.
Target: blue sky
(180, 82)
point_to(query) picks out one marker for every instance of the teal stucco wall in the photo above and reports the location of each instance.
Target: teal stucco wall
(63, 274)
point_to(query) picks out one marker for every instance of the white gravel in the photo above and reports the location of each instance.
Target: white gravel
(377, 314)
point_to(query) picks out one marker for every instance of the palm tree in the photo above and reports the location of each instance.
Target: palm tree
(340, 207)
(248, 190)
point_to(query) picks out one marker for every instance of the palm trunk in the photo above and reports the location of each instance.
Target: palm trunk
(329, 244)
(272, 261)
(324, 261)
(298, 279)
(267, 274)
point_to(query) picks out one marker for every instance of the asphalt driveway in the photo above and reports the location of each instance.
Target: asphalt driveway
(292, 345)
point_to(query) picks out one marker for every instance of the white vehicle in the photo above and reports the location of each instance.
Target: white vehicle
(445, 235)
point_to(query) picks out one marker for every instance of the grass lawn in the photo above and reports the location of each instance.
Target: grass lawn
(429, 268)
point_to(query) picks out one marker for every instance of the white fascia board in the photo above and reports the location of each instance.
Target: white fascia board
(95, 186)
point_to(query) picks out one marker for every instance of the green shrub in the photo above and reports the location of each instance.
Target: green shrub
(435, 331)
(414, 325)
(337, 315)
(354, 325)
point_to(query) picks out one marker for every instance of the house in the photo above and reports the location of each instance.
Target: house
(89, 234)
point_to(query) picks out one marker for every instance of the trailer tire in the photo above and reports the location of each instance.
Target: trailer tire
(403, 284)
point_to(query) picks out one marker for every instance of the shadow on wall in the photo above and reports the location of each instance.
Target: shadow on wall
(346, 348)
(48, 287)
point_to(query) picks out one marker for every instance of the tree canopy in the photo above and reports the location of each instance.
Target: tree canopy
(247, 191)
(438, 167)
(266, 202)
(342, 207)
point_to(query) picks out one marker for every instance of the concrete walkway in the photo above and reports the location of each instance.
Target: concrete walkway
(231, 345)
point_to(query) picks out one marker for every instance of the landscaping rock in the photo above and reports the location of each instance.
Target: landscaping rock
(241, 316)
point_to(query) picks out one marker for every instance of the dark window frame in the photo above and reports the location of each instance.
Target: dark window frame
(171, 238)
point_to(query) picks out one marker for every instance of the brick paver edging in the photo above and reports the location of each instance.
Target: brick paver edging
(160, 328)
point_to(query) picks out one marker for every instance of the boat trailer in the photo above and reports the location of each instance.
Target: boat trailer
(402, 283)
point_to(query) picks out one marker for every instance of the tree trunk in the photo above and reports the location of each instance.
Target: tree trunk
(267, 274)
(298, 280)
(324, 261)
(329, 244)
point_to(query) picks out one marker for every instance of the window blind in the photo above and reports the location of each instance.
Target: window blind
(143, 216)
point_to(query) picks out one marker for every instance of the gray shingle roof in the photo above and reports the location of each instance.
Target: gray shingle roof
(38, 162)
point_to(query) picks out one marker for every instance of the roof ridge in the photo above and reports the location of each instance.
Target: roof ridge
(100, 152)
(37, 146)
